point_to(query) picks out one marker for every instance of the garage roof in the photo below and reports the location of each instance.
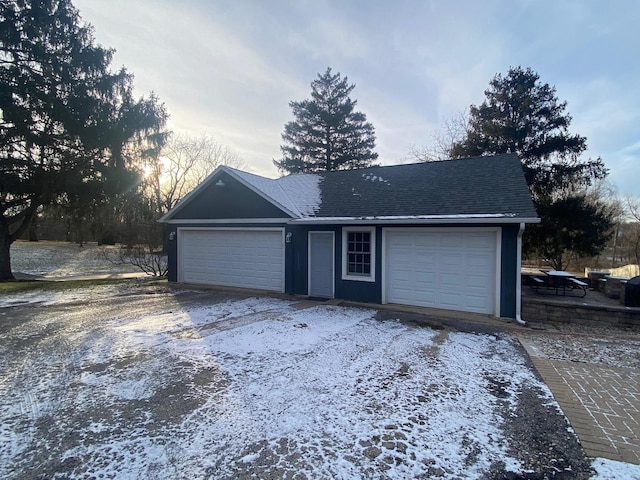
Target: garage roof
(488, 188)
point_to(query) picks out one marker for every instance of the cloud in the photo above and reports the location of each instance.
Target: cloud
(231, 68)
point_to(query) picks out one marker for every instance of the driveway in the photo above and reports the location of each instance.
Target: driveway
(151, 382)
(594, 373)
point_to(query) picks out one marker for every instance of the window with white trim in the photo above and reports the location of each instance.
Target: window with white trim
(358, 254)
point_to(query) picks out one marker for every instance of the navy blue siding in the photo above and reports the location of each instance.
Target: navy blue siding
(298, 280)
(231, 201)
(509, 271)
(172, 253)
(354, 290)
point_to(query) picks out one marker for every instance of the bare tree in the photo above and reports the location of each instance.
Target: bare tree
(183, 163)
(632, 207)
(442, 141)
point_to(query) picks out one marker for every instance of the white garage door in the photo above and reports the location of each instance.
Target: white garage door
(454, 270)
(236, 258)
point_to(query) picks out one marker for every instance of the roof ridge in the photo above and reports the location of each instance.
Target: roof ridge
(397, 165)
(291, 205)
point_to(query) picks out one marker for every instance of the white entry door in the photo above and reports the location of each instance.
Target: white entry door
(449, 269)
(236, 258)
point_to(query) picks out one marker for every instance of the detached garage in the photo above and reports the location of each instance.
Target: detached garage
(444, 235)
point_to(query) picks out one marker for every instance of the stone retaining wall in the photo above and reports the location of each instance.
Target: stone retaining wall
(628, 271)
(543, 310)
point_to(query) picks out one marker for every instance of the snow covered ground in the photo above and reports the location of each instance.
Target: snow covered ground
(65, 259)
(108, 383)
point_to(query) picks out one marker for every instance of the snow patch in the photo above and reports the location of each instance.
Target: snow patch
(300, 193)
(612, 470)
(249, 458)
(303, 190)
(324, 392)
(374, 178)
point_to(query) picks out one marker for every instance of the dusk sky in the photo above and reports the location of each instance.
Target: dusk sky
(230, 68)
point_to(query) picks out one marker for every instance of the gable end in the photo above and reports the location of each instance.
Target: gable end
(223, 197)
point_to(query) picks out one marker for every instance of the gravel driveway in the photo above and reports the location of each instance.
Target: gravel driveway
(152, 382)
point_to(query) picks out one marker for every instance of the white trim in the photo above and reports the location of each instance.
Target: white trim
(181, 230)
(252, 229)
(215, 221)
(498, 253)
(333, 260)
(519, 276)
(383, 266)
(442, 220)
(497, 289)
(359, 278)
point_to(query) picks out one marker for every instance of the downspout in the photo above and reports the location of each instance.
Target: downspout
(519, 276)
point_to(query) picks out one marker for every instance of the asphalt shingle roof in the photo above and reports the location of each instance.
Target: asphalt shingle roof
(479, 186)
(472, 186)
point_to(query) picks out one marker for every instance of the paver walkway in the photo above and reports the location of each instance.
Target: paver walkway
(601, 403)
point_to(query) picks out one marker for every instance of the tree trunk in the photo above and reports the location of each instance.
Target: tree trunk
(5, 253)
(33, 229)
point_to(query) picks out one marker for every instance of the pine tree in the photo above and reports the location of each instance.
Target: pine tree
(327, 134)
(67, 122)
(523, 116)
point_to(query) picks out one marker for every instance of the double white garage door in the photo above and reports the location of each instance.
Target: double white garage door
(234, 258)
(449, 269)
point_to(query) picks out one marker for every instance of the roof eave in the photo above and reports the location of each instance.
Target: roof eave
(432, 220)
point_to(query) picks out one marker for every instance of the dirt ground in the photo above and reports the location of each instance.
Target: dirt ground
(59, 362)
(53, 343)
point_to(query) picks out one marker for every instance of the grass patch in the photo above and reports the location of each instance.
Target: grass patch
(56, 286)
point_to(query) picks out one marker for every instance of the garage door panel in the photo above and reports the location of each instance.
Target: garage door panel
(474, 303)
(480, 241)
(426, 278)
(410, 297)
(450, 280)
(449, 301)
(480, 260)
(238, 258)
(425, 242)
(451, 260)
(441, 269)
(475, 281)
(451, 241)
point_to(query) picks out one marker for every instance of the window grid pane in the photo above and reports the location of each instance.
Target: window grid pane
(359, 253)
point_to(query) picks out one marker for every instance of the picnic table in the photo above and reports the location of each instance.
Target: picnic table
(560, 282)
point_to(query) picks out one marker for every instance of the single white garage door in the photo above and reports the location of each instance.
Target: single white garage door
(235, 258)
(454, 270)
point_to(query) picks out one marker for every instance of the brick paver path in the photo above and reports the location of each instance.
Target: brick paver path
(601, 403)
